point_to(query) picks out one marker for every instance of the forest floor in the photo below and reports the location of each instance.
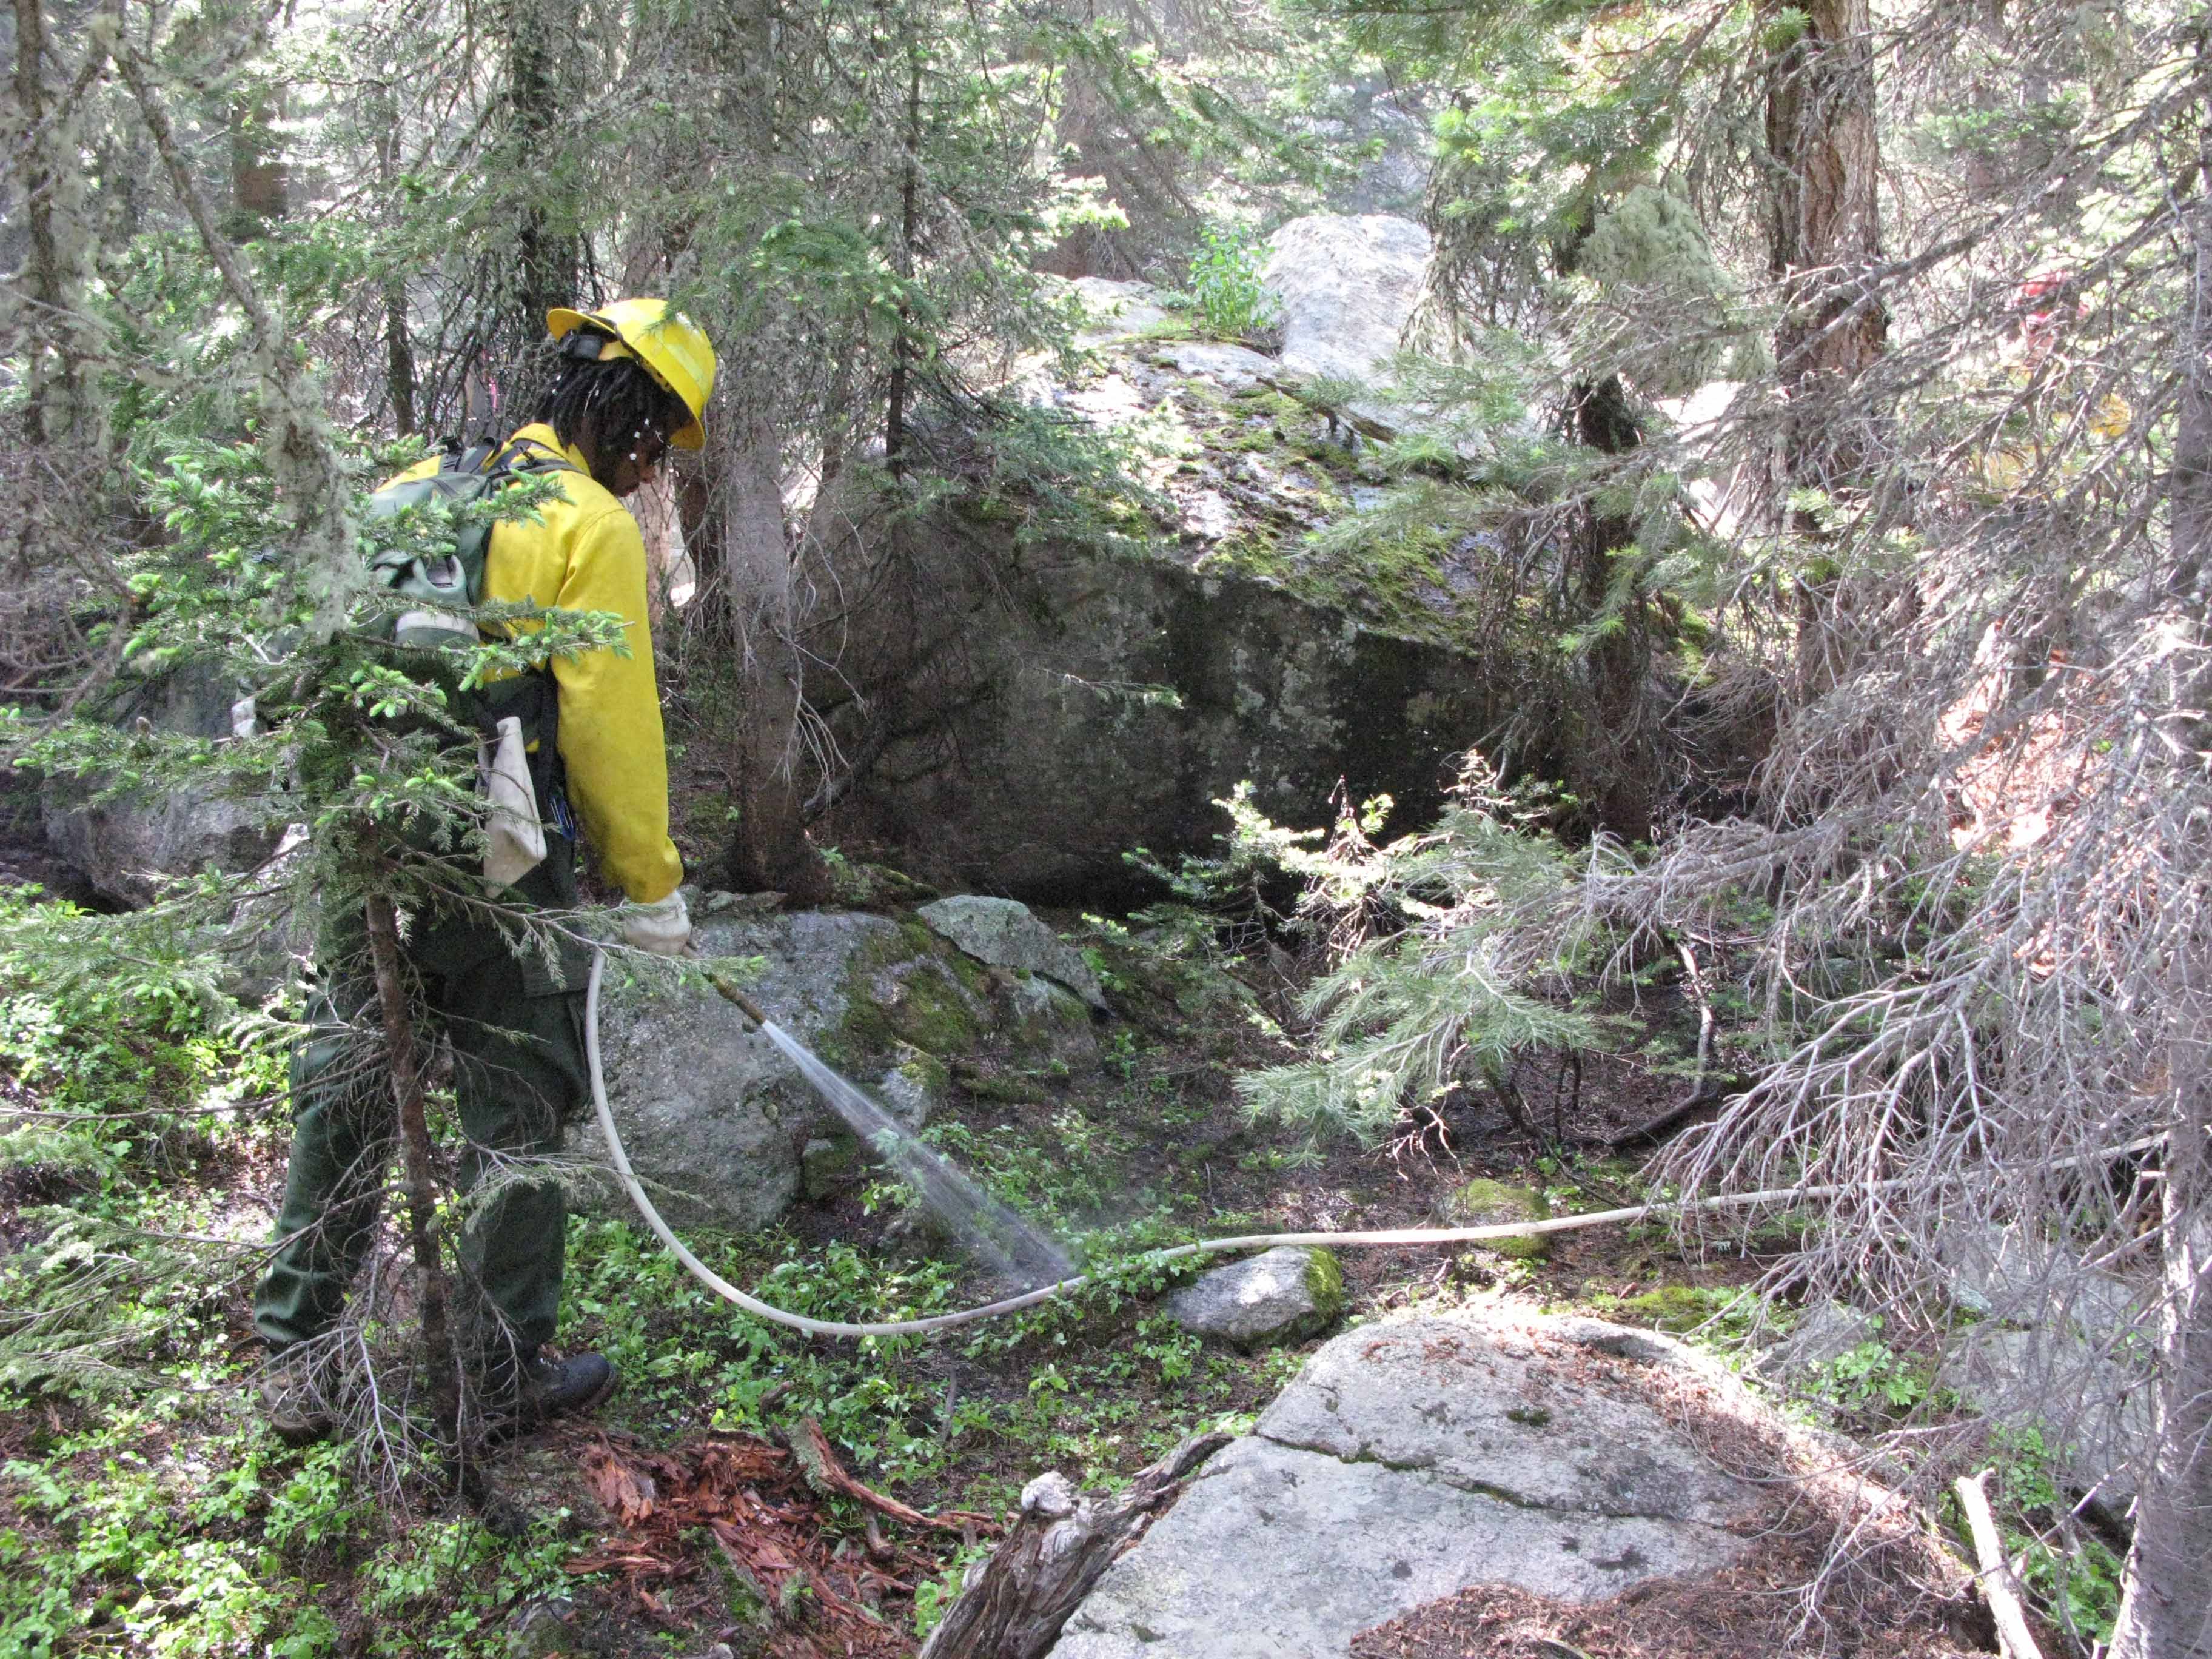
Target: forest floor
(145, 1510)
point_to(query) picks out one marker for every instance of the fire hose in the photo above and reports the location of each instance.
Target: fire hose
(1383, 1237)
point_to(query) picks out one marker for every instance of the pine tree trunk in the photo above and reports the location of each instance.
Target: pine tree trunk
(49, 180)
(1824, 239)
(398, 344)
(545, 260)
(415, 1148)
(2166, 1610)
(259, 182)
(768, 851)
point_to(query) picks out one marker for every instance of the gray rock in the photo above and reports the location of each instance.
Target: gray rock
(2087, 1399)
(1824, 1333)
(2006, 1273)
(1410, 1461)
(825, 1162)
(128, 845)
(1347, 287)
(555, 1627)
(1077, 694)
(1234, 368)
(713, 1117)
(1116, 311)
(1072, 757)
(2061, 1348)
(1008, 934)
(1284, 1294)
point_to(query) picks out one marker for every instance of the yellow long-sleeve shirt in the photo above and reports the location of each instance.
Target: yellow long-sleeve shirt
(586, 553)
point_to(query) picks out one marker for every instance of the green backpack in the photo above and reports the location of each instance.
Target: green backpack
(449, 586)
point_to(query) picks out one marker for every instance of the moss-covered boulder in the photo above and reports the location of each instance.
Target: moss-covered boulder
(1486, 1203)
(1081, 672)
(721, 1125)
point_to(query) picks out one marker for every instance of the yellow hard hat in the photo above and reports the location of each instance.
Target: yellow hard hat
(674, 349)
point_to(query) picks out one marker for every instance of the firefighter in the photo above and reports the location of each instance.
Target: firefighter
(632, 378)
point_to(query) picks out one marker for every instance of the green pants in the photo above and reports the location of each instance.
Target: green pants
(515, 1026)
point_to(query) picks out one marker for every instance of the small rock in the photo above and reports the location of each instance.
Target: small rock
(1008, 934)
(1116, 310)
(1289, 1292)
(1235, 367)
(1484, 1203)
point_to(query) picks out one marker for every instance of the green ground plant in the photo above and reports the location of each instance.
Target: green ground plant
(1226, 294)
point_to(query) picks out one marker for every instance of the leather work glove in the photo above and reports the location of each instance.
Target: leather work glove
(663, 927)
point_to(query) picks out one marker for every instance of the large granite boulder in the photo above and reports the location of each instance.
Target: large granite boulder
(1421, 1456)
(2058, 1347)
(1058, 697)
(128, 844)
(717, 1121)
(1346, 285)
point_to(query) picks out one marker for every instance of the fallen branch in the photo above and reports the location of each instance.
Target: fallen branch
(1013, 1605)
(2000, 1587)
(818, 1462)
(1711, 1094)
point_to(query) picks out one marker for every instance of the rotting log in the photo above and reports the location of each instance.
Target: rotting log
(1012, 1605)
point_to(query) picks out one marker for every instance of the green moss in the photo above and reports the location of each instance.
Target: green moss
(1486, 1203)
(927, 1007)
(932, 1015)
(1675, 1308)
(1265, 400)
(1325, 1284)
(928, 1073)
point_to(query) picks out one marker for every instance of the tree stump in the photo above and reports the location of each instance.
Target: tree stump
(1012, 1605)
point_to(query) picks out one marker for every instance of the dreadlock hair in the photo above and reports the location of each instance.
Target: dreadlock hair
(617, 397)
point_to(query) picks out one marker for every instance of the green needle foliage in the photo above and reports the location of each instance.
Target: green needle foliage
(1431, 989)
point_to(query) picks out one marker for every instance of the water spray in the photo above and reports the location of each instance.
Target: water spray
(816, 1072)
(997, 1236)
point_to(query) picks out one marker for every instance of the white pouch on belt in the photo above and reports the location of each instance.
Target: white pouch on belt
(515, 840)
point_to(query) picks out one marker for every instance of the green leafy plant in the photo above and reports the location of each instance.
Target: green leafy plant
(1225, 289)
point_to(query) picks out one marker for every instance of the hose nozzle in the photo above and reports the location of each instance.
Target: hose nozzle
(728, 986)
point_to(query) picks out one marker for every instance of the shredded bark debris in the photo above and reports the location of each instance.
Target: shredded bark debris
(764, 1506)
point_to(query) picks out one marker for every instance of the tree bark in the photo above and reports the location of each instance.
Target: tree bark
(260, 185)
(1824, 239)
(414, 1147)
(1619, 765)
(546, 259)
(768, 849)
(2166, 1608)
(52, 187)
(398, 343)
(1013, 1605)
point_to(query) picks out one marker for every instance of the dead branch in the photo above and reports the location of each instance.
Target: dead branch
(2000, 1587)
(818, 1461)
(1013, 1605)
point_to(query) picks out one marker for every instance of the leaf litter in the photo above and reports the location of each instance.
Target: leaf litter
(772, 1512)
